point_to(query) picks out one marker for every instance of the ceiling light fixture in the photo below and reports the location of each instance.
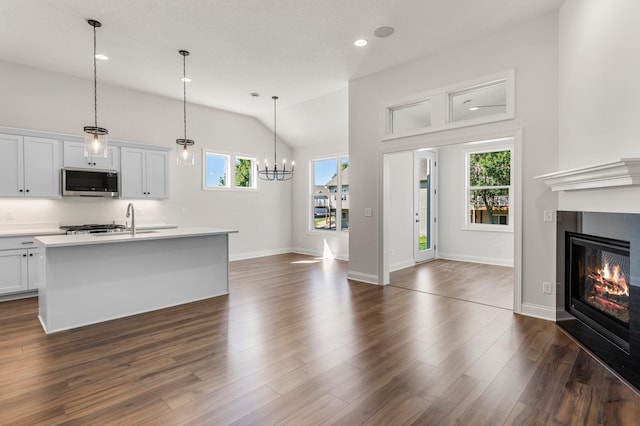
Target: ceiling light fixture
(95, 138)
(184, 151)
(101, 57)
(274, 173)
(361, 42)
(383, 32)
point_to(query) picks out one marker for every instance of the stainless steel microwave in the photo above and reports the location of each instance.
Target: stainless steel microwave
(89, 183)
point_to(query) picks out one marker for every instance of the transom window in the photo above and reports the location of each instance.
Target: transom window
(330, 194)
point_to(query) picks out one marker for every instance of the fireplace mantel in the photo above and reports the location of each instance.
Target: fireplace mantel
(619, 173)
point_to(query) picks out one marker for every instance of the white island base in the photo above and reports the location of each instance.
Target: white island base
(90, 279)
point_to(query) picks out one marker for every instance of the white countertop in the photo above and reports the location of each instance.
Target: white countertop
(26, 232)
(123, 237)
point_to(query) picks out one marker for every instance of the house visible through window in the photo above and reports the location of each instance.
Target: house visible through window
(489, 187)
(330, 189)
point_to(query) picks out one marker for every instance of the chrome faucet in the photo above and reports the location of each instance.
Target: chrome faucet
(132, 212)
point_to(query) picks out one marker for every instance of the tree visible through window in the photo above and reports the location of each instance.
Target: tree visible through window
(489, 187)
(244, 172)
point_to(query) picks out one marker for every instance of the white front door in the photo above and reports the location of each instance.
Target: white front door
(424, 205)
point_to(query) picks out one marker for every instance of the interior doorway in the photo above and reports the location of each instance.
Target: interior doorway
(465, 230)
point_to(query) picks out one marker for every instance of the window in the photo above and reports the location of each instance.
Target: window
(330, 194)
(482, 100)
(410, 117)
(245, 176)
(218, 174)
(216, 170)
(479, 101)
(489, 188)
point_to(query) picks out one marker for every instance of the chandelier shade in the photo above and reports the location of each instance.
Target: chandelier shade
(184, 149)
(96, 138)
(274, 173)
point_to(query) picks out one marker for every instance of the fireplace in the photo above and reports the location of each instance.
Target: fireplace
(598, 266)
(598, 273)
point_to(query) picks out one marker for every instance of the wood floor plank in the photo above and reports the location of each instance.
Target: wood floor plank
(296, 342)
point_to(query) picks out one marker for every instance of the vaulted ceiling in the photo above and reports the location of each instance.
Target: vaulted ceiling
(300, 50)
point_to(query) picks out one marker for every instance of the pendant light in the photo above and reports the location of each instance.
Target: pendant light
(184, 150)
(275, 173)
(95, 138)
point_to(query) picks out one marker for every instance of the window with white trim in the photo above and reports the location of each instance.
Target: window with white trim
(330, 194)
(218, 173)
(489, 184)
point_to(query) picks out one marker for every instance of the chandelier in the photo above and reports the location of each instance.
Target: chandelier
(95, 138)
(184, 150)
(274, 173)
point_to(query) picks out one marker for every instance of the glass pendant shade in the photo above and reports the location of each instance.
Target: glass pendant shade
(95, 141)
(184, 152)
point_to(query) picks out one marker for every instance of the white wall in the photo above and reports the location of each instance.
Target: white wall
(455, 242)
(531, 49)
(400, 209)
(599, 96)
(331, 244)
(39, 100)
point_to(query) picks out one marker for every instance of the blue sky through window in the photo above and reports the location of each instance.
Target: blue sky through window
(216, 168)
(324, 171)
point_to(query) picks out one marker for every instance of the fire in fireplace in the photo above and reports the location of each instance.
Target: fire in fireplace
(607, 291)
(598, 284)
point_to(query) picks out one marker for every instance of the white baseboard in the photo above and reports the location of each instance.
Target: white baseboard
(562, 315)
(477, 259)
(362, 277)
(402, 265)
(538, 311)
(254, 254)
(299, 250)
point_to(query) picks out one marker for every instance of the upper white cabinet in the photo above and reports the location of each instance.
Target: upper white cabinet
(29, 167)
(144, 173)
(73, 156)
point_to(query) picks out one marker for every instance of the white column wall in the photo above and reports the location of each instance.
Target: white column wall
(599, 96)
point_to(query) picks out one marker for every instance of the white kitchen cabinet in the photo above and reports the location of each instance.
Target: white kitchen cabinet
(29, 167)
(15, 273)
(19, 265)
(73, 156)
(144, 173)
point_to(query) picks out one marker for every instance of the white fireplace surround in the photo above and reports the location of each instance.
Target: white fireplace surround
(624, 172)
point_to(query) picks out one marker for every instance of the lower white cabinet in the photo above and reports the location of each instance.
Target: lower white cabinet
(19, 267)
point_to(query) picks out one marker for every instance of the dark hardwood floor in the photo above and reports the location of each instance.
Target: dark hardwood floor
(474, 282)
(297, 343)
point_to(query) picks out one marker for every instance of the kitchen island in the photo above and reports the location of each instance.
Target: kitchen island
(86, 279)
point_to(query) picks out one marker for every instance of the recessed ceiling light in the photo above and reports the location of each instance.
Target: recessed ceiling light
(185, 79)
(101, 56)
(383, 32)
(474, 108)
(361, 42)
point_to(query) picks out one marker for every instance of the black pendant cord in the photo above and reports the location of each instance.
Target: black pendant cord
(275, 155)
(184, 94)
(95, 81)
